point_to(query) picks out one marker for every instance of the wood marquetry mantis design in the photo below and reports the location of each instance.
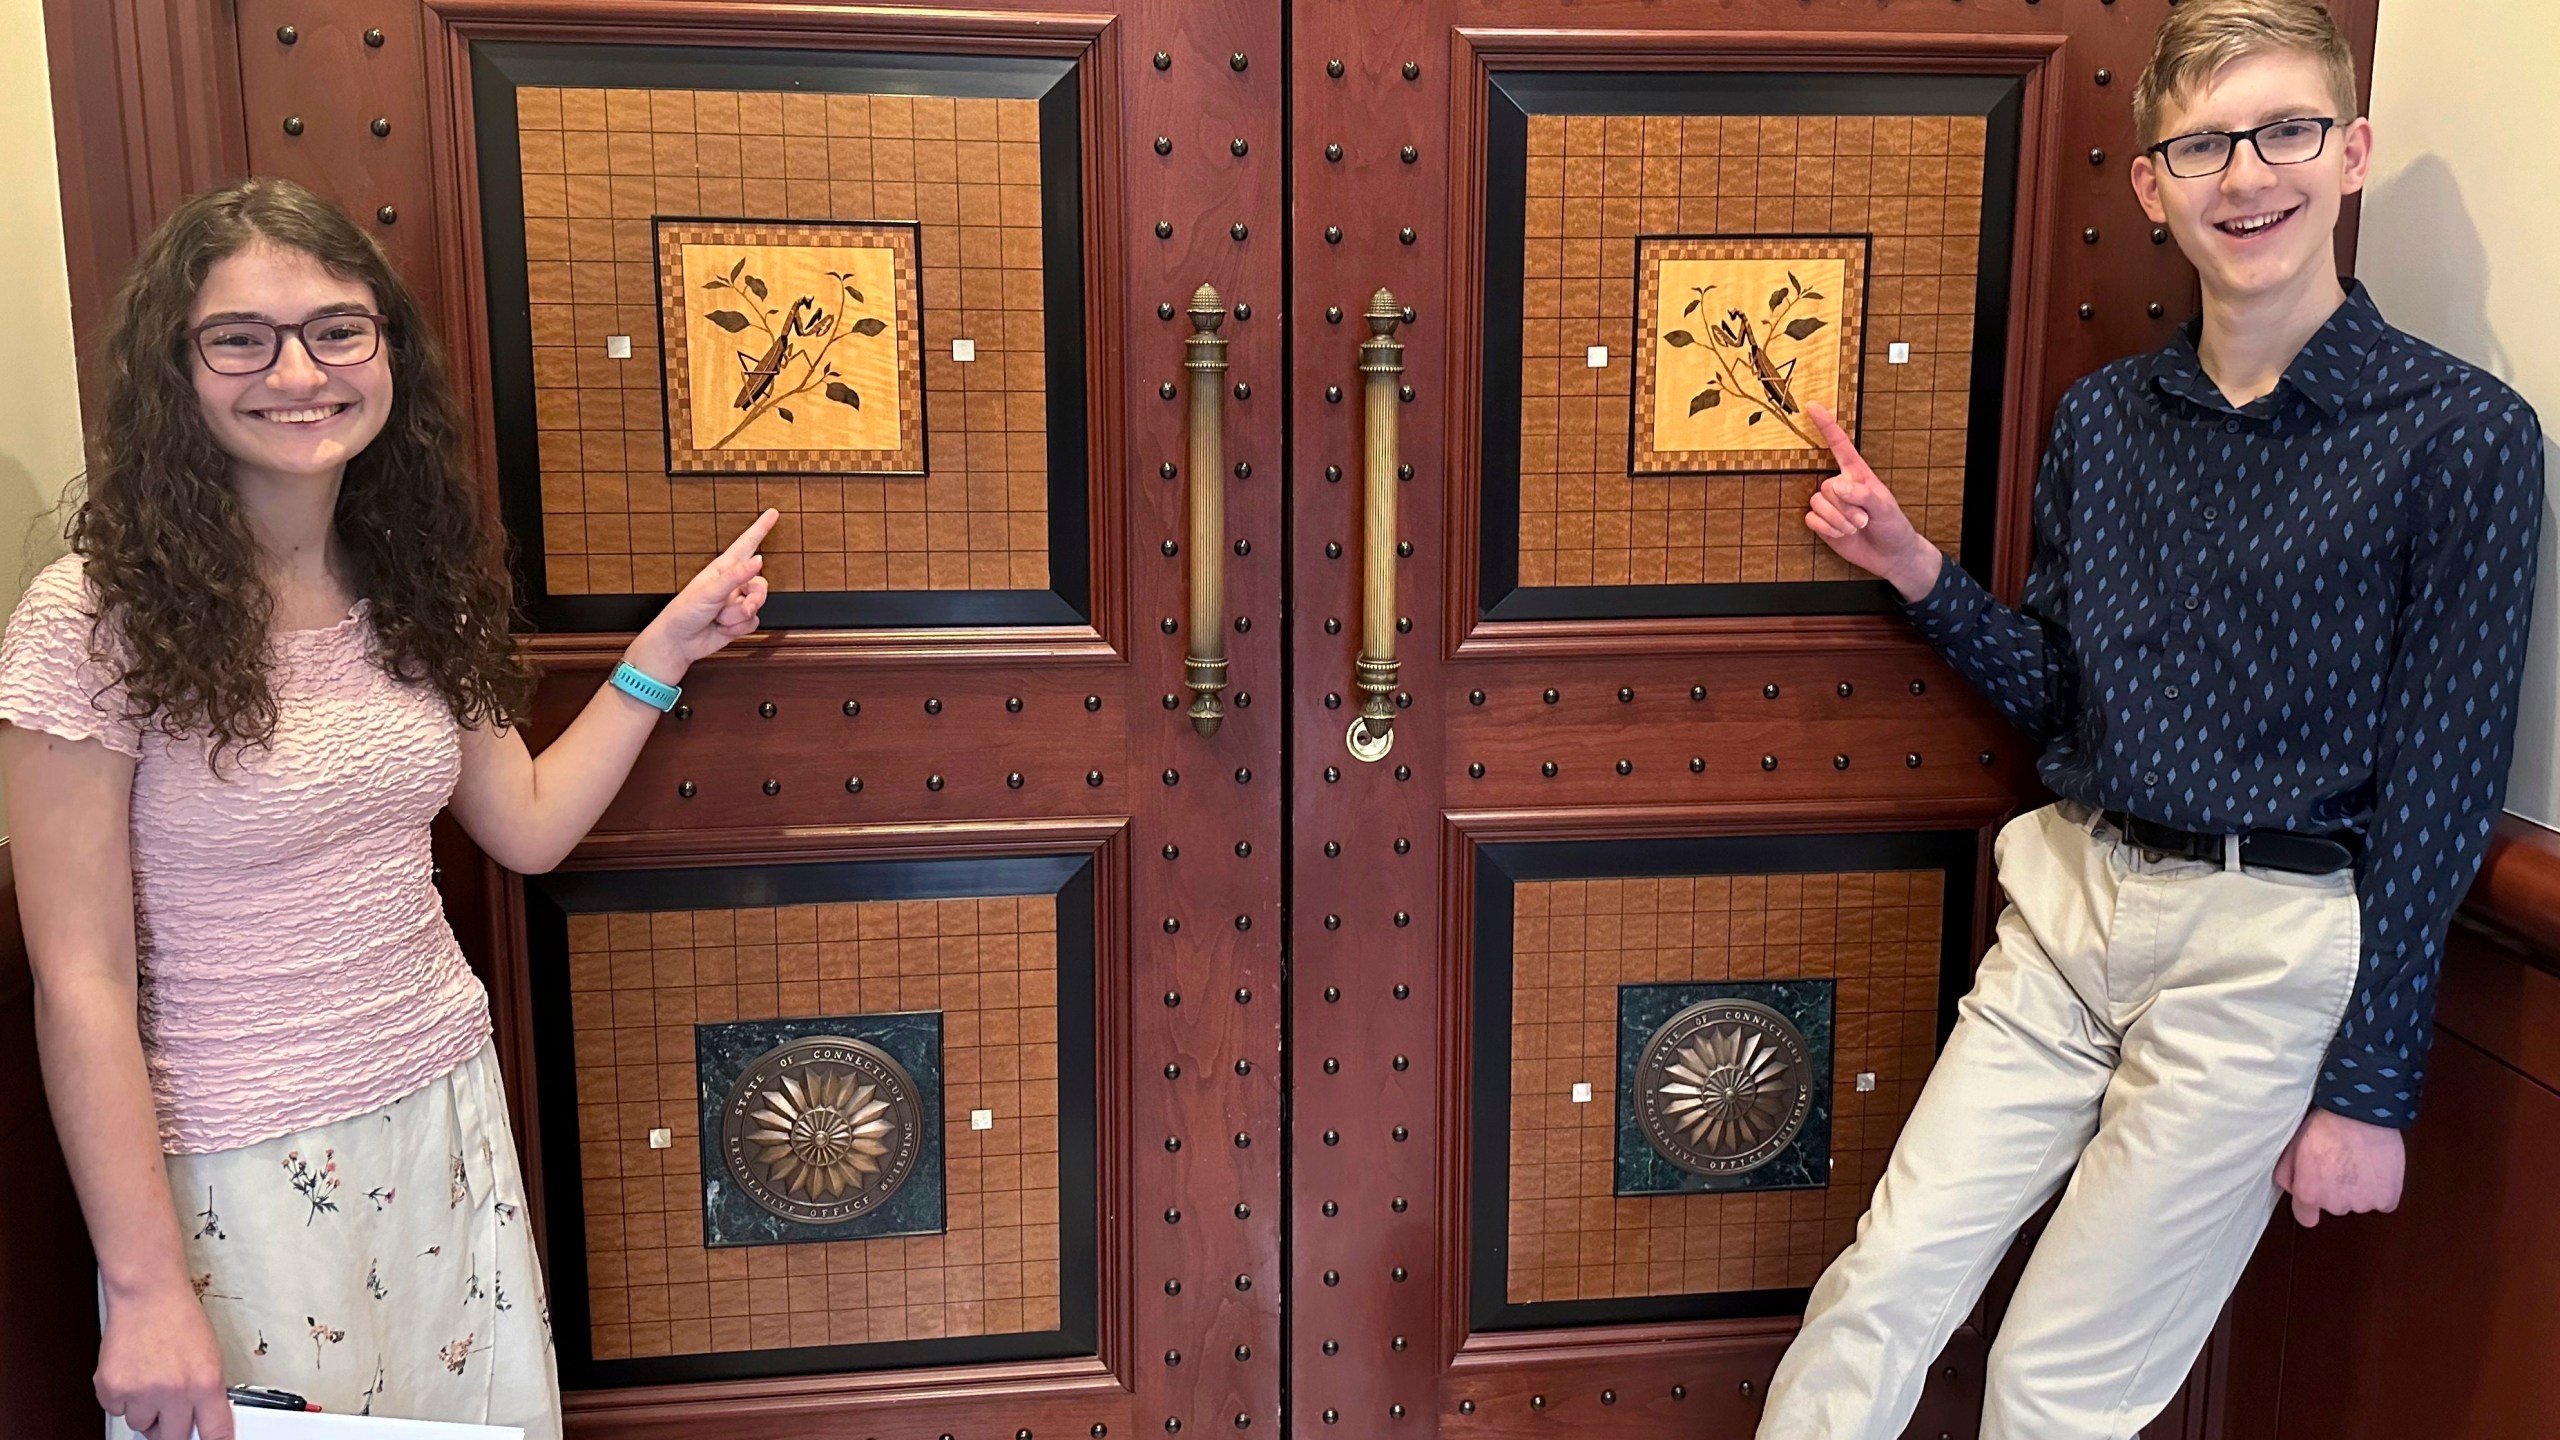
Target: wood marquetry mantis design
(763, 390)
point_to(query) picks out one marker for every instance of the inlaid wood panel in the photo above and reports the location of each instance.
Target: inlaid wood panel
(1574, 942)
(598, 164)
(640, 981)
(1595, 184)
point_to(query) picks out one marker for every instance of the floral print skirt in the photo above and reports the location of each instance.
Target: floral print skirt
(380, 1265)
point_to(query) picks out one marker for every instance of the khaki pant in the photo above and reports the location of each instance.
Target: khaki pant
(2146, 1030)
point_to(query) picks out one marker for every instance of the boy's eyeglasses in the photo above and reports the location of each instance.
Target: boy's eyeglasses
(250, 347)
(2278, 142)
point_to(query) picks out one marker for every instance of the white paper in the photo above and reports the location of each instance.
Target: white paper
(255, 1424)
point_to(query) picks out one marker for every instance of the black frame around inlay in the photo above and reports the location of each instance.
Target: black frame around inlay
(498, 68)
(551, 899)
(1501, 867)
(1512, 97)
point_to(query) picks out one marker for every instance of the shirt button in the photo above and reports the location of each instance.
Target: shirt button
(2193, 602)
(2171, 692)
(2212, 514)
(2150, 777)
(2231, 427)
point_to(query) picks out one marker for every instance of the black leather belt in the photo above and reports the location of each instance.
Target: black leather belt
(2270, 849)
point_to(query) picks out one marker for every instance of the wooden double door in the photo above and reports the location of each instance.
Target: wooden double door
(1295, 667)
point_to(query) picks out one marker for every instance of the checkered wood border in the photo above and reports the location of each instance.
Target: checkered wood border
(1644, 457)
(906, 303)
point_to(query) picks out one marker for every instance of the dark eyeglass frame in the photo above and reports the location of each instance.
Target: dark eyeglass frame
(381, 328)
(2326, 123)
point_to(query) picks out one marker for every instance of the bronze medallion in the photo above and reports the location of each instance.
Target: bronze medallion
(1723, 1087)
(822, 1129)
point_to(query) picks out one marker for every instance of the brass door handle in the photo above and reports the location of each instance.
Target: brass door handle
(1204, 355)
(1372, 733)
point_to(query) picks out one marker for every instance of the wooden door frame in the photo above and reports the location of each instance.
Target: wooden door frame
(146, 111)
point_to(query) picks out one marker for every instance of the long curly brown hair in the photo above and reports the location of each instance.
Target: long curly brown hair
(168, 547)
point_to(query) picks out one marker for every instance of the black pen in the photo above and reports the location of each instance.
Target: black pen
(267, 1397)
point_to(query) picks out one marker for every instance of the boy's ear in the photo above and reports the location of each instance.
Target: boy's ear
(2146, 186)
(2355, 147)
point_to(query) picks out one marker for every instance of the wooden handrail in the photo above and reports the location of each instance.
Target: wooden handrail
(2518, 892)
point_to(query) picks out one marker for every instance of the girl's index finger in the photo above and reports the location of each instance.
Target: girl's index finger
(751, 537)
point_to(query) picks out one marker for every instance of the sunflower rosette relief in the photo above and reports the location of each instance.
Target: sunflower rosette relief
(824, 1134)
(1724, 1086)
(1728, 1090)
(821, 1128)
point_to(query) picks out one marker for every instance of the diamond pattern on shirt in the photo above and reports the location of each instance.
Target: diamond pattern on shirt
(2307, 613)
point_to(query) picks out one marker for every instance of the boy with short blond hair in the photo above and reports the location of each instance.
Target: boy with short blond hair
(2271, 642)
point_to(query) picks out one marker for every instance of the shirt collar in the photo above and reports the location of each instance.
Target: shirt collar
(2331, 364)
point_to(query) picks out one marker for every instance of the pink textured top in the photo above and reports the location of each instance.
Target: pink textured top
(296, 967)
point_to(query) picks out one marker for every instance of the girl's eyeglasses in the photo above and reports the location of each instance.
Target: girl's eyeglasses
(251, 347)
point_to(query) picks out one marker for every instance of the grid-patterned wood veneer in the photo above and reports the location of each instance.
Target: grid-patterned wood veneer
(639, 981)
(1574, 942)
(599, 163)
(1595, 183)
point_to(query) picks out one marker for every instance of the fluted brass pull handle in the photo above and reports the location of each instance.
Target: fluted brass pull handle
(1204, 669)
(1372, 734)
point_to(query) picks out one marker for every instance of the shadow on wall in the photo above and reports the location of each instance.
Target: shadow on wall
(36, 514)
(42, 512)
(2423, 256)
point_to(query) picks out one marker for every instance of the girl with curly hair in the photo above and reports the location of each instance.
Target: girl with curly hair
(279, 647)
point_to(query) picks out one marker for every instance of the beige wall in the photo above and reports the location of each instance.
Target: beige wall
(2461, 245)
(40, 403)
(40, 400)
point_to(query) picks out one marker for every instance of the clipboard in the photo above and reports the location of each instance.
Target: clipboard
(252, 1423)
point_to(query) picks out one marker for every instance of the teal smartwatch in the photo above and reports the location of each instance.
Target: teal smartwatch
(656, 694)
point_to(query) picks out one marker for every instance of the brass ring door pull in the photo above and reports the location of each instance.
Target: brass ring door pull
(1372, 733)
(1204, 668)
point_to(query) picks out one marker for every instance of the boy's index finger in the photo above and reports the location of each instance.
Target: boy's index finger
(1843, 449)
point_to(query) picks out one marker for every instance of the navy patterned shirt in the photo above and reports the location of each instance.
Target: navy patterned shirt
(2307, 612)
